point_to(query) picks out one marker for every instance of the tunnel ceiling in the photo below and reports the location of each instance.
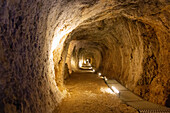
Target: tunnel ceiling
(41, 40)
(129, 46)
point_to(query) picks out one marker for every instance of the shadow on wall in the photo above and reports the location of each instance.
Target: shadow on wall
(167, 103)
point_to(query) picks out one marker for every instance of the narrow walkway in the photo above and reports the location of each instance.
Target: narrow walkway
(89, 94)
(135, 101)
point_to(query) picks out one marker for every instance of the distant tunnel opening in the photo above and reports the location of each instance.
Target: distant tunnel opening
(124, 49)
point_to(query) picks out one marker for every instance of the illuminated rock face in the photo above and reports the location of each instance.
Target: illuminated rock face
(131, 36)
(130, 52)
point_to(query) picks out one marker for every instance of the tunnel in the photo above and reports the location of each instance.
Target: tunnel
(47, 46)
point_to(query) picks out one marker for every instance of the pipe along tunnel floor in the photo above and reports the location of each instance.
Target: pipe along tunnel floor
(87, 93)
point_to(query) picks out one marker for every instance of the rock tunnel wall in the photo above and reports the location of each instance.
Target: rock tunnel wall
(26, 81)
(28, 33)
(131, 54)
(27, 73)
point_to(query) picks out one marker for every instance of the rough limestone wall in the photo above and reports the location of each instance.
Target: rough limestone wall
(148, 20)
(62, 19)
(133, 42)
(139, 48)
(86, 49)
(27, 29)
(70, 57)
(26, 82)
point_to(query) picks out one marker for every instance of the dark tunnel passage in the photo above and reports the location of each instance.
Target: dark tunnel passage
(46, 44)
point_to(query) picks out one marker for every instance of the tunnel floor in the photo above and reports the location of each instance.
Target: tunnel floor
(89, 94)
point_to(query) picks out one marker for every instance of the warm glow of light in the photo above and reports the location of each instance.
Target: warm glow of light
(59, 35)
(99, 74)
(90, 68)
(106, 90)
(80, 63)
(93, 70)
(115, 90)
(101, 77)
(105, 78)
(84, 62)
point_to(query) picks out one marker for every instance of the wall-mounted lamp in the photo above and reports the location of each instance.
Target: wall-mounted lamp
(115, 90)
(99, 74)
(105, 78)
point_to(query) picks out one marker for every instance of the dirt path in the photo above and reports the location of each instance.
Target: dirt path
(89, 94)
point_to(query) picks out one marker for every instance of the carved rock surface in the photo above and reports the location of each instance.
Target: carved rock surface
(132, 37)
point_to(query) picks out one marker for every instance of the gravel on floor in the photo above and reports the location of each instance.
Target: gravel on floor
(88, 93)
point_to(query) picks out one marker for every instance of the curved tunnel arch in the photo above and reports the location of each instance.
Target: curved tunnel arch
(32, 30)
(136, 74)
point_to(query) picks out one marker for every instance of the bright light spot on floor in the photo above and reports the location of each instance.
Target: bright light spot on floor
(99, 74)
(115, 90)
(106, 90)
